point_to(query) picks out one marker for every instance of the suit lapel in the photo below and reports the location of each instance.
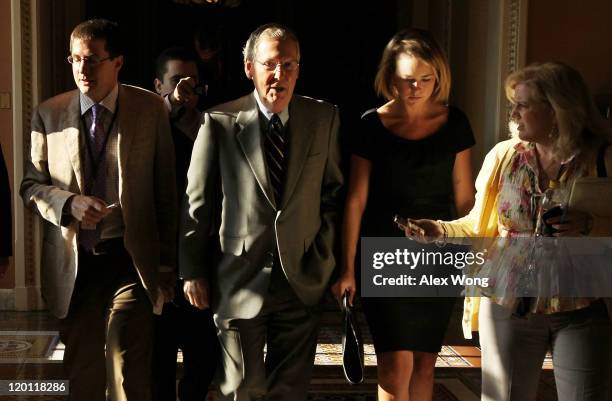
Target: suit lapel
(127, 119)
(300, 139)
(249, 138)
(71, 128)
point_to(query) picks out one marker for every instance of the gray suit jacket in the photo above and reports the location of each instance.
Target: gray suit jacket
(228, 157)
(146, 188)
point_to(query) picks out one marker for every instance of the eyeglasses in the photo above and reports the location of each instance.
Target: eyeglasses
(91, 61)
(286, 66)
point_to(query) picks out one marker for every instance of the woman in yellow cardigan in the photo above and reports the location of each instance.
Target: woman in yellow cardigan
(559, 137)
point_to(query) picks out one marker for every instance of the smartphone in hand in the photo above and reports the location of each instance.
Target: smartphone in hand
(550, 213)
(401, 222)
(408, 226)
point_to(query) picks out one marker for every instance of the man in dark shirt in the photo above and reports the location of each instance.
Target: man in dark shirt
(182, 325)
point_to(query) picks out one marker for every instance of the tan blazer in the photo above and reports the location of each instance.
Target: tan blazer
(302, 224)
(146, 188)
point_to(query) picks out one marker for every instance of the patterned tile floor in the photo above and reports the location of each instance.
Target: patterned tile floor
(29, 348)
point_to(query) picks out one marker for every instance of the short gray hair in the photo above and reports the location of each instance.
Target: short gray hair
(268, 31)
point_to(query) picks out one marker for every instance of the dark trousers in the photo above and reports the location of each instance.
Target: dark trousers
(193, 331)
(108, 331)
(289, 330)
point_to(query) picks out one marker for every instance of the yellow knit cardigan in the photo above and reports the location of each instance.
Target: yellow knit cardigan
(482, 220)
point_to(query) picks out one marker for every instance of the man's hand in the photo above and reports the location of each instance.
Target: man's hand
(88, 209)
(184, 94)
(197, 293)
(167, 282)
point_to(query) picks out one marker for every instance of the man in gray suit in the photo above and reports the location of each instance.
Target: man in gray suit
(274, 156)
(101, 175)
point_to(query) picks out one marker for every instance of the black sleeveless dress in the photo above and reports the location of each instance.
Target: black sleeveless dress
(410, 178)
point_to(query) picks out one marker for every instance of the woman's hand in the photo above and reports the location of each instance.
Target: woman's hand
(345, 284)
(573, 223)
(423, 231)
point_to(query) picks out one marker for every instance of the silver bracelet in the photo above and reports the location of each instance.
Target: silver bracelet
(441, 242)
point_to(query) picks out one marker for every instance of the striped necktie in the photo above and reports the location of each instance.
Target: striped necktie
(275, 148)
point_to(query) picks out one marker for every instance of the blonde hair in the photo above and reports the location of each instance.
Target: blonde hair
(422, 45)
(578, 121)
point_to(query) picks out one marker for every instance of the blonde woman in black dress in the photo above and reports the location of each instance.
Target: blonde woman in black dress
(411, 156)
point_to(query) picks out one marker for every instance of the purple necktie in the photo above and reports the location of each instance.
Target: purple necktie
(95, 171)
(97, 135)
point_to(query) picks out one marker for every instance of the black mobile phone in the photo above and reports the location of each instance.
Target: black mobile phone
(406, 224)
(550, 213)
(401, 222)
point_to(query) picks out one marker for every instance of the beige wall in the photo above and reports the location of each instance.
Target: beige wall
(6, 124)
(578, 33)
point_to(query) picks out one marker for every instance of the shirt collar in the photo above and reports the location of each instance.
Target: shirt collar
(283, 115)
(109, 102)
(528, 151)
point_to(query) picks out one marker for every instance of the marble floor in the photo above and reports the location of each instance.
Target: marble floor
(30, 349)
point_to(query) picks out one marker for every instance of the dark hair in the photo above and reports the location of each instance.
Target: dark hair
(100, 29)
(172, 53)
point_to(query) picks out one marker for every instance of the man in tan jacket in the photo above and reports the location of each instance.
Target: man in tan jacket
(101, 174)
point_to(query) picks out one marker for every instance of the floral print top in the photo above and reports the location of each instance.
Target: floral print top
(516, 218)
